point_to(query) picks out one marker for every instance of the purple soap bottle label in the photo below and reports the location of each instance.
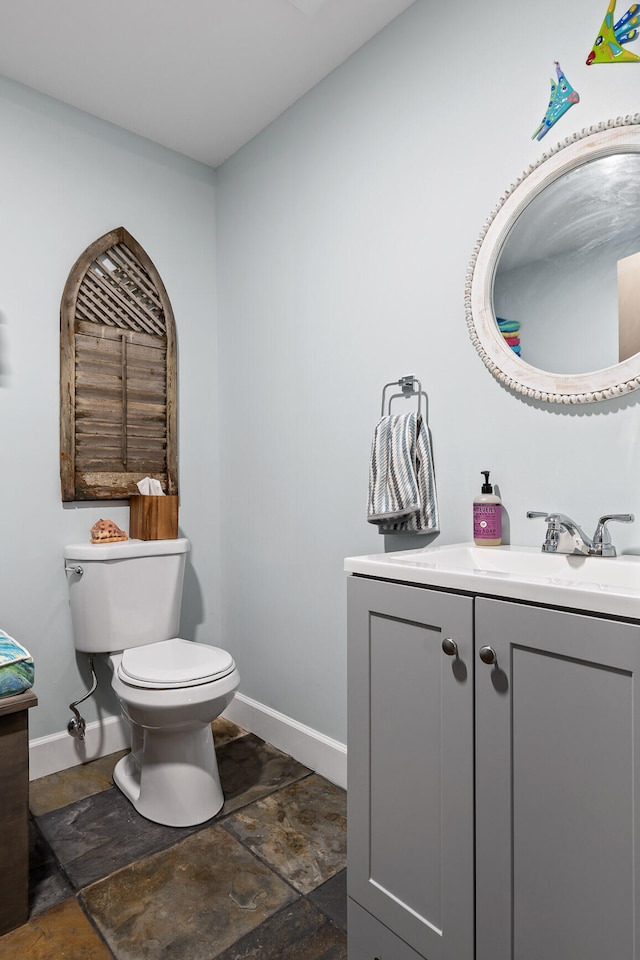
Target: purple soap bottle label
(487, 521)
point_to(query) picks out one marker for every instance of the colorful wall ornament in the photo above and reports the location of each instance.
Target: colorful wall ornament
(563, 96)
(608, 46)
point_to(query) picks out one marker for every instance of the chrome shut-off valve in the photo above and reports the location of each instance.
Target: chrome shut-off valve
(77, 726)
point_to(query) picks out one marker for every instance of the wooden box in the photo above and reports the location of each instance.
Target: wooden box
(14, 822)
(153, 518)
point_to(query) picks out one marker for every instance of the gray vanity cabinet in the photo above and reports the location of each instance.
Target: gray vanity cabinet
(557, 785)
(410, 789)
(494, 809)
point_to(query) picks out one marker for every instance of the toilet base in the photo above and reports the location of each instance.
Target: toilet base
(171, 776)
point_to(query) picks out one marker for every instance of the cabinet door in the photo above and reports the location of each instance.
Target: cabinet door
(557, 785)
(371, 940)
(410, 789)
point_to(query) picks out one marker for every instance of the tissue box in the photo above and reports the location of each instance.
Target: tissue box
(153, 518)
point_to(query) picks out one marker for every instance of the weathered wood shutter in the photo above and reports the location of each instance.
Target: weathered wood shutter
(117, 374)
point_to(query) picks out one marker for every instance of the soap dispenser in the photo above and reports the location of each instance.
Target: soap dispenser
(487, 516)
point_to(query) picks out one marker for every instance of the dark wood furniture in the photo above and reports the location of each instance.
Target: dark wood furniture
(14, 810)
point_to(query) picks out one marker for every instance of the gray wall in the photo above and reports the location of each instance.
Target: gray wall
(65, 179)
(568, 312)
(343, 235)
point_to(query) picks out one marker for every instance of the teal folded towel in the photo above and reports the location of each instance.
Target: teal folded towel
(508, 326)
(16, 667)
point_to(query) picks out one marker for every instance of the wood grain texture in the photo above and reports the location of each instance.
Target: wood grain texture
(153, 518)
(14, 822)
(118, 412)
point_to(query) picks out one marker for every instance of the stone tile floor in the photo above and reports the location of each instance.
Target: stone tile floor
(263, 880)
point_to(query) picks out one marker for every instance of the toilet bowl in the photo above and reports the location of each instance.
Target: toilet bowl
(171, 775)
(170, 689)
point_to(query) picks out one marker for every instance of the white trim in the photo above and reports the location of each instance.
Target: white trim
(59, 751)
(326, 756)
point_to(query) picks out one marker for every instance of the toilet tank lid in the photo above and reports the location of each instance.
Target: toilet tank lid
(126, 548)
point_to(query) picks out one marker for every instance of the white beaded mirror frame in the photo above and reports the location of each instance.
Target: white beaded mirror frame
(609, 138)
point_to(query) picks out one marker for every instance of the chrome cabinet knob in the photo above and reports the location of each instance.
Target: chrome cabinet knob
(488, 655)
(450, 647)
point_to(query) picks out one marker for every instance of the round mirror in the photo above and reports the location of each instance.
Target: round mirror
(553, 289)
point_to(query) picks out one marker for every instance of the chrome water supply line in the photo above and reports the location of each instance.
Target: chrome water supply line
(77, 725)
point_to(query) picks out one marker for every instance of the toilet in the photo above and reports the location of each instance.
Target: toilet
(125, 602)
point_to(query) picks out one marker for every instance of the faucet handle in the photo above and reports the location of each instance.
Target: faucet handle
(554, 529)
(602, 545)
(621, 517)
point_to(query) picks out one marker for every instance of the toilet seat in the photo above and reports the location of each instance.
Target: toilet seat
(174, 663)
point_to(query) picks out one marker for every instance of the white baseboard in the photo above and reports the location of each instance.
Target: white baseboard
(315, 750)
(58, 751)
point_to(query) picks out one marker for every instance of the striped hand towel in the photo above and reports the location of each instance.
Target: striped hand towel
(402, 488)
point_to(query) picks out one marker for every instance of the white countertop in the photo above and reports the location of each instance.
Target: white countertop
(605, 585)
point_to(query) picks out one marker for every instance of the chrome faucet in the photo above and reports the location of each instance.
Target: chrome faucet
(602, 545)
(559, 527)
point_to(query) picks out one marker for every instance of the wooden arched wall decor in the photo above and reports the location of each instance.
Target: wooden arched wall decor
(117, 374)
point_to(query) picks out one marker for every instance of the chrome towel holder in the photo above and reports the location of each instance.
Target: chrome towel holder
(410, 386)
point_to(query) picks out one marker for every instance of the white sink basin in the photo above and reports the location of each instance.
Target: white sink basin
(608, 585)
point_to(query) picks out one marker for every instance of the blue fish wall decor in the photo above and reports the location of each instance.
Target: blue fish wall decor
(563, 96)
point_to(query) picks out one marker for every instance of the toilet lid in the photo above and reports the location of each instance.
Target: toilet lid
(174, 663)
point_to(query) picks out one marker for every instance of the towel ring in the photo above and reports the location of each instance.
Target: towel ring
(410, 386)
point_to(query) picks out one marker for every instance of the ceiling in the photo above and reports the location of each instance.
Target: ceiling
(586, 211)
(199, 76)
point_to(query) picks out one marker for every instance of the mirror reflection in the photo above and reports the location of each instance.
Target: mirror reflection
(568, 271)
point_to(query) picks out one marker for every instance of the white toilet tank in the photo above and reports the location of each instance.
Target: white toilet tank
(128, 593)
